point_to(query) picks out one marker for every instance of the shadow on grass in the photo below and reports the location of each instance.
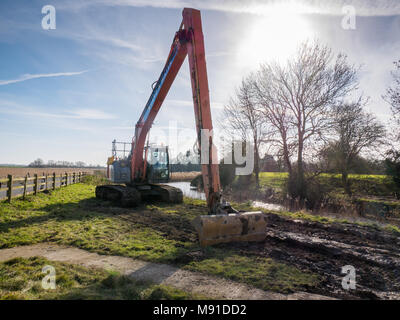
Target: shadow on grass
(156, 273)
(58, 212)
(121, 287)
(175, 226)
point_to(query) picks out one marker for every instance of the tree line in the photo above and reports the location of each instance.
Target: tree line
(39, 163)
(310, 114)
(185, 162)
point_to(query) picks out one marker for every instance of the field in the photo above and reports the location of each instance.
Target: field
(23, 171)
(163, 233)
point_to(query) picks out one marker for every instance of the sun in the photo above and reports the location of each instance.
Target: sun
(273, 36)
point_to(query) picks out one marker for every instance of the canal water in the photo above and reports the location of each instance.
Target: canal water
(193, 193)
(187, 190)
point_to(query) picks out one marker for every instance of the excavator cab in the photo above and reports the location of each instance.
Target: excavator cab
(120, 171)
(157, 164)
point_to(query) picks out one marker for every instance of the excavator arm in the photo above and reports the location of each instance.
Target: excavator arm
(188, 41)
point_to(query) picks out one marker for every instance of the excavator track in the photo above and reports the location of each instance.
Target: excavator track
(168, 193)
(131, 196)
(126, 196)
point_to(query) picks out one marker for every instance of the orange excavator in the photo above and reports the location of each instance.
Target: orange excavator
(139, 175)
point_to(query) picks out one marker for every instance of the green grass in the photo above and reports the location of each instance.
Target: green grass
(95, 179)
(264, 273)
(275, 180)
(392, 203)
(361, 183)
(22, 279)
(153, 232)
(72, 216)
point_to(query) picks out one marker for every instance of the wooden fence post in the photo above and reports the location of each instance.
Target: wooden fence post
(10, 187)
(54, 181)
(79, 176)
(73, 178)
(36, 183)
(66, 178)
(46, 182)
(61, 179)
(25, 183)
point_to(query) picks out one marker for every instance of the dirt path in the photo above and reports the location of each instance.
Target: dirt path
(188, 281)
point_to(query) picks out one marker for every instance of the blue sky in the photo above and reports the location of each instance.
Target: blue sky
(65, 94)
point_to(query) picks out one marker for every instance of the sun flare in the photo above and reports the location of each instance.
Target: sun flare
(274, 36)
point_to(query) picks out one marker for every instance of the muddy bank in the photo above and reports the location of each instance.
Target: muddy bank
(326, 248)
(368, 209)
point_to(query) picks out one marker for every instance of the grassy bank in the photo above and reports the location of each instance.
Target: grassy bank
(326, 192)
(372, 185)
(153, 232)
(22, 279)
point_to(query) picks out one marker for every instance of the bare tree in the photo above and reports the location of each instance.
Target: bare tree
(242, 118)
(393, 95)
(80, 164)
(296, 100)
(356, 131)
(38, 163)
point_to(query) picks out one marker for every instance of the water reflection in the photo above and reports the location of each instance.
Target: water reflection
(195, 194)
(268, 206)
(187, 190)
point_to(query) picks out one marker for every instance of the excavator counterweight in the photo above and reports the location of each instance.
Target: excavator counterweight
(223, 224)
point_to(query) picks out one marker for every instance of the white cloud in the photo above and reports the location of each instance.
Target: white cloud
(180, 103)
(91, 114)
(102, 43)
(363, 7)
(217, 105)
(9, 107)
(28, 76)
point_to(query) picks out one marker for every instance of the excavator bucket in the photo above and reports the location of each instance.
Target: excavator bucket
(247, 226)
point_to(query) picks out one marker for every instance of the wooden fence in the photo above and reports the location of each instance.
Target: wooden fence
(13, 187)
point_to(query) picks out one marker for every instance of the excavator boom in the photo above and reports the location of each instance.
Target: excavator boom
(188, 41)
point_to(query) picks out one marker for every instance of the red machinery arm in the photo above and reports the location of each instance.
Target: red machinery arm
(189, 41)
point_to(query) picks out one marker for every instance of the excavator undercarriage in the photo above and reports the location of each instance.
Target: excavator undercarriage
(131, 195)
